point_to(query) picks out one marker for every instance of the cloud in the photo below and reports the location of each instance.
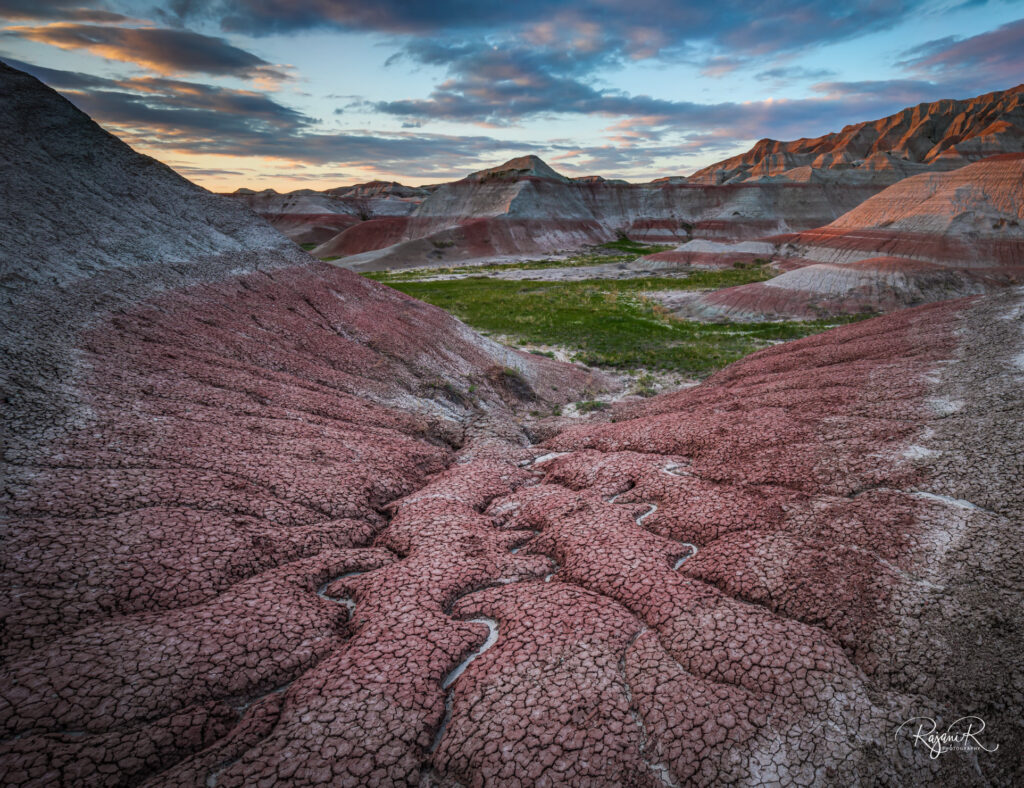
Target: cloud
(163, 50)
(59, 79)
(170, 115)
(415, 155)
(894, 92)
(168, 112)
(57, 9)
(167, 117)
(392, 16)
(492, 84)
(720, 65)
(637, 29)
(495, 85)
(203, 172)
(995, 57)
(782, 74)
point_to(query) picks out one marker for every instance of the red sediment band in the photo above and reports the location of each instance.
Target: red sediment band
(966, 253)
(366, 236)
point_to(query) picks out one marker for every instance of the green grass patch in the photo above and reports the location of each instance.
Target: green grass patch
(626, 246)
(607, 253)
(610, 323)
(309, 246)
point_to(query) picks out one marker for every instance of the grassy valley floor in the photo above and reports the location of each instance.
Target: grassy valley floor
(608, 323)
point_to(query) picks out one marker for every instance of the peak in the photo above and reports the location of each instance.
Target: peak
(103, 192)
(519, 167)
(936, 134)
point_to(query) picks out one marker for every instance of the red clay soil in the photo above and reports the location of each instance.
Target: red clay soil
(496, 237)
(237, 574)
(657, 231)
(970, 218)
(485, 216)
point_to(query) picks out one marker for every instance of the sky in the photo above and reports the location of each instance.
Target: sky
(313, 94)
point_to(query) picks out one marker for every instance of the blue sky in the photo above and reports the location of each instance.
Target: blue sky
(319, 93)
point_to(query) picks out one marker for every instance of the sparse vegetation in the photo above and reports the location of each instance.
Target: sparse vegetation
(626, 246)
(607, 253)
(610, 323)
(309, 246)
(644, 385)
(590, 405)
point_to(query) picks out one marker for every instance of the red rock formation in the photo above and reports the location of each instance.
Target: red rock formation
(932, 237)
(818, 180)
(259, 531)
(525, 208)
(364, 237)
(972, 218)
(942, 135)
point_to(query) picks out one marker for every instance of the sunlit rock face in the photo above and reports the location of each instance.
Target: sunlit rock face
(932, 237)
(942, 135)
(259, 528)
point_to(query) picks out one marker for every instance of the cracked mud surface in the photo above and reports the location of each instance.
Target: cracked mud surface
(842, 558)
(250, 539)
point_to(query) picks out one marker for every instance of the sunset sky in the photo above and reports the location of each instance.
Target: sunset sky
(313, 93)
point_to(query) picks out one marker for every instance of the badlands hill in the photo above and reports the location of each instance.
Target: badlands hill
(308, 216)
(931, 237)
(942, 135)
(524, 207)
(266, 522)
(522, 167)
